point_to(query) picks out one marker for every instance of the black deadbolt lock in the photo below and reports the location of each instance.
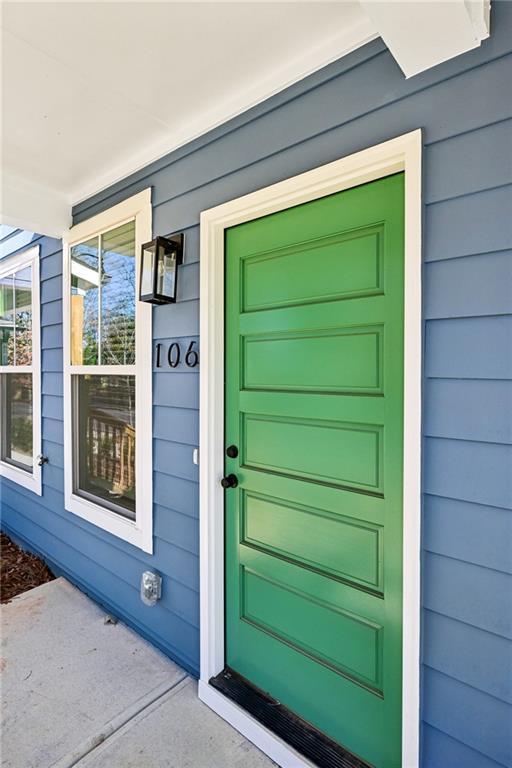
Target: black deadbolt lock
(232, 451)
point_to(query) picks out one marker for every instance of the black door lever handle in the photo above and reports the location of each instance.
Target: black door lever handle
(230, 481)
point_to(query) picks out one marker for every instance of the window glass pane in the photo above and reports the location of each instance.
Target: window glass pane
(23, 316)
(85, 297)
(7, 320)
(118, 296)
(104, 440)
(103, 299)
(16, 439)
(148, 257)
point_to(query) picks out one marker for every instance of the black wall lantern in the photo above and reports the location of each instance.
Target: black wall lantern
(159, 269)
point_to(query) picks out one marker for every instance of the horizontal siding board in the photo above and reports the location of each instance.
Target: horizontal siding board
(447, 403)
(469, 348)
(51, 289)
(174, 458)
(174, 320)
(469, 471)
(51, 383)
(468, 593)
(443, 160)
(51, 359)
(184, 564)
(51, 313)
(468, 715)
(470, 655)
(442, 751)
(188, 282)
(176, 424)
(454, 227)
(469, 286)
(49, 247)
(177, 389)
(53, 429)
(53, 471)
(472, 532)
(53, 450)
(181, 495)
(451, 175)
(51, 266)
(51, 337)
(174, 527)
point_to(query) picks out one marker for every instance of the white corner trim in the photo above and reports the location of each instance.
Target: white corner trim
(138, 532)
(399, 154)
(32, 481)
(422, 35)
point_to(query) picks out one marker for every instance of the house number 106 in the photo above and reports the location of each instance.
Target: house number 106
(174, 355)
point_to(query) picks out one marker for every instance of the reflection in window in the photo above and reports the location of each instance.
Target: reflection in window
(103, 299)
(84, 303)
(17, 426)
(23, 317)
(16, 318)
(104, 440)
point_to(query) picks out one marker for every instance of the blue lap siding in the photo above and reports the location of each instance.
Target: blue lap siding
(465, 109)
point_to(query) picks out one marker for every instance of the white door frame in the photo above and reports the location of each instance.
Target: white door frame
(400, 154)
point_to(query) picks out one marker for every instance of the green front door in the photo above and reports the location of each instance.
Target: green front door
(314, 403)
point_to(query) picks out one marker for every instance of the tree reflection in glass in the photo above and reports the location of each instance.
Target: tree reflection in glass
(103, 299)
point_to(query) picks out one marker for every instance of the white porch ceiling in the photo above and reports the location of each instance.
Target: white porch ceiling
(93, 91)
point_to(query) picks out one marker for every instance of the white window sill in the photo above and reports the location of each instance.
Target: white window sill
(29, 480)
(110, 521)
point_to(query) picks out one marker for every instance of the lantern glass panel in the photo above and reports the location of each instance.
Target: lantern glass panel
(166, 281)
(148, 257)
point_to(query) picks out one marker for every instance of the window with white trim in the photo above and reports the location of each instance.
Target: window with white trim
(20, 374)
(107, 373)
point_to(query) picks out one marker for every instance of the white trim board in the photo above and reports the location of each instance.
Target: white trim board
(32, 481)
(400, 154)
(138, 532)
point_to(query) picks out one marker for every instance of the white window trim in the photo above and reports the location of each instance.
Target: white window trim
(399, 154)
(138, 532)
(29, 480)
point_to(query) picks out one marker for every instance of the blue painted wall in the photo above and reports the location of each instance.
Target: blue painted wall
(465, 109)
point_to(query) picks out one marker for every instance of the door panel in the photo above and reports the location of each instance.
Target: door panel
(314, 402)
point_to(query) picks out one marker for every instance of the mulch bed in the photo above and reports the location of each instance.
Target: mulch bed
(19, 570)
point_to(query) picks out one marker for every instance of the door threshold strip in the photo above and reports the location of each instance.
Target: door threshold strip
(303, 737)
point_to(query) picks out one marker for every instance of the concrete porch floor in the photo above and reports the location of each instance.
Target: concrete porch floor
(77, 691)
